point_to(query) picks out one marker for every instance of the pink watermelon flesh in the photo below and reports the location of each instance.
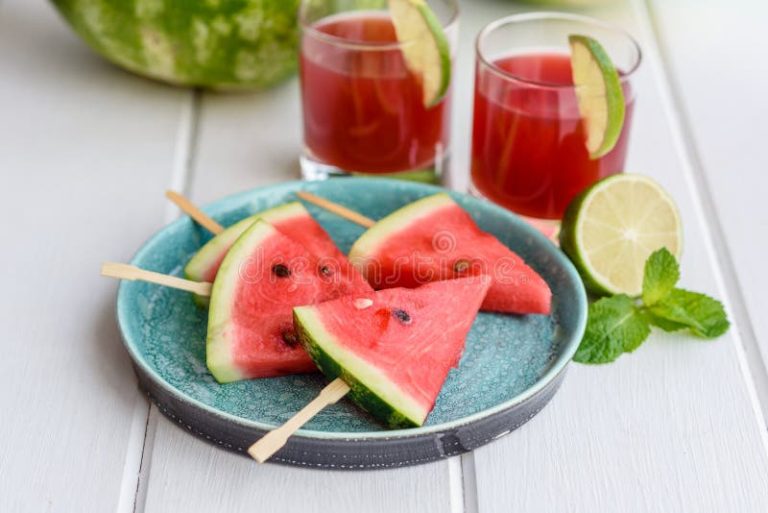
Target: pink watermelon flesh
(263, 276)
(291, 219)
(393, 347)
(435, 239)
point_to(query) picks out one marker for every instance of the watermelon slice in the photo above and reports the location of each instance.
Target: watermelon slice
(292, 219)
(263, 276)
(435, 239)
(393, 347)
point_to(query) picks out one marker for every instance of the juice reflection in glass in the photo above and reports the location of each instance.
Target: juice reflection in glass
(528, 144)
(363, 108)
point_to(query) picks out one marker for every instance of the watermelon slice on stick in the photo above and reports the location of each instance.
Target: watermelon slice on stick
(390, 351)
(435, 239)
(393, 347)
(292, 219)
(262, 277)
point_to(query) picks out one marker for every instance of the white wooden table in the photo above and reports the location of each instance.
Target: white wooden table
(87, 150)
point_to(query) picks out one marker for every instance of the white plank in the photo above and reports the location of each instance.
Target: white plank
(190, 475)
(674, 427)
(245, 141)
(714, 52)
(85, 152)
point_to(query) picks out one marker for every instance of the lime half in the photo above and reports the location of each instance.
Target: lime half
(599, 94)
(610, 230)
(425, 46)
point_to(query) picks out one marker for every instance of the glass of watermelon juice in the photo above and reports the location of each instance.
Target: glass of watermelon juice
(363, 108)
(529, 150)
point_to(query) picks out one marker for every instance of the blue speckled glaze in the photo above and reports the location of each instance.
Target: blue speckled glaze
(507, 358)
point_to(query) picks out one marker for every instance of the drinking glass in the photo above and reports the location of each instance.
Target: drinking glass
(528, 139)
(363, 108)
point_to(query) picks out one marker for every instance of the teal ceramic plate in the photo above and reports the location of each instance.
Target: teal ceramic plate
(511, 366)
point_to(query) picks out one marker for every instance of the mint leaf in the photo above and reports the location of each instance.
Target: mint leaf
(663, 323)
(703, 315)
(615, 325)
(661, 275)
(620, 324)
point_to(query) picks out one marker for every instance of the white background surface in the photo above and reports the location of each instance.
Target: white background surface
(87, 150)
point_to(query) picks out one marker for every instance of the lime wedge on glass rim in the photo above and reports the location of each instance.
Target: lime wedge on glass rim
(610, 230)
(426, 49)
(599, 94)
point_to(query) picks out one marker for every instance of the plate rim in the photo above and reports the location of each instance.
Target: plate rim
(217, 206)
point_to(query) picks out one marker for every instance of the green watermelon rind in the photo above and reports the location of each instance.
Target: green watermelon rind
(387, 403)
(223, 44)
(197, 267)
(218, 344)
(369, 242)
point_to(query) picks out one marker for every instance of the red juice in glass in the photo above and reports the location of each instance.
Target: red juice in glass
(363, 108)
(529, 149)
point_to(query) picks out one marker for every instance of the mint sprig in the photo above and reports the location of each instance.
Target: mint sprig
(615, 326)
(619, 324)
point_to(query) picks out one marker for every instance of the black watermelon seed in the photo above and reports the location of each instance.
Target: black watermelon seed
(325, 270)
(401, 315)
(461, 266)
(281, 271)
(290, 338)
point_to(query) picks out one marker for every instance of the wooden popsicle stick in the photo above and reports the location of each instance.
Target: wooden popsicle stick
(194, 212)
(337, 209)
(131, 272)
(270, 443)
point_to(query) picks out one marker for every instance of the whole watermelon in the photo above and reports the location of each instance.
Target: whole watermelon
(221, 44)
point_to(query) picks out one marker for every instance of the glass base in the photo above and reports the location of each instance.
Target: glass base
(549, 227)
(313, 169)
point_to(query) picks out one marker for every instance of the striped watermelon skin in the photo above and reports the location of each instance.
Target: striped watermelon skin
(218, 44)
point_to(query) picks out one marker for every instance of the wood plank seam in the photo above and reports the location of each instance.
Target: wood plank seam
(180, 180)
(141, 460)
(754, 367)
(469, 483)
(134, 454)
